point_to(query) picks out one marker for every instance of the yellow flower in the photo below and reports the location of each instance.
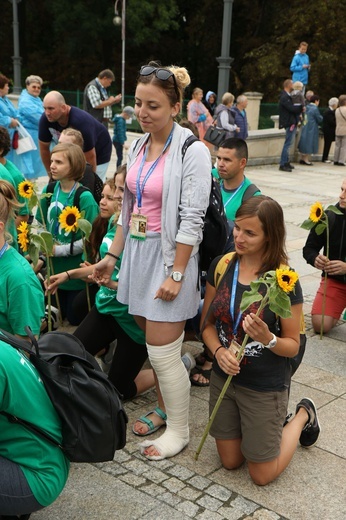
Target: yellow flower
(316, 212)
(286, 279)
(23, 236)
(69, 218)
(26, 189)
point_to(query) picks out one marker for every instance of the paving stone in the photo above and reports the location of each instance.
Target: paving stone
(189, 493)
(219, 492)
(199, 482)
(136, 466)
(180, 472)
(174, 485)
(153, 490)
(209, 515)
(133, 480)
(188, 508)
(212, 504)
(244, 505)
(264, 514)
(170, 499)
(155, 475)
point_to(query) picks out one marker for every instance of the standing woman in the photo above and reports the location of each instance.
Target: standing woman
(30, 108)
(308, 142)
(249, 422)
(165, 200)
(9, 116)
(198, 114)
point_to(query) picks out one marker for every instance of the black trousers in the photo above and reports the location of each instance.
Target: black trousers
(326, 147)
(96, 332)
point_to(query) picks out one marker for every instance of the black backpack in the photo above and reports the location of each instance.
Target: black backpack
(215, 230)
(89, 406)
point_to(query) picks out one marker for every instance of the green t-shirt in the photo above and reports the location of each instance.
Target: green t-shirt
(106, 299)
(18, 177)
(22, 394)
(232, 199)
(51, 209)
(21, 295)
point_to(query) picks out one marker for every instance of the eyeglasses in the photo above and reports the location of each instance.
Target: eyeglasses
(162, 74)
(38, 88)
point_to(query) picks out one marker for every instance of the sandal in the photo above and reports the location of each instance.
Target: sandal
(203, 357)
(151, 428)
(204, 373)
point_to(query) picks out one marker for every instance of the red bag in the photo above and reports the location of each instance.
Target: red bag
(15, 140)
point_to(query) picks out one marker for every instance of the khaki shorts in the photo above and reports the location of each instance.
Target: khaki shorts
(255, 417)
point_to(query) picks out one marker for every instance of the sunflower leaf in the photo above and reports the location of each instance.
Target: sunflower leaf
(32, 202)
(307, 224)
(48, 239)
(334, 209)
(249, 297)
(85, 226)
(320, 228)
(33, 252)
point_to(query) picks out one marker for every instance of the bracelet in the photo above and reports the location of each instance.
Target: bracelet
(68, 275)
(218, 348)
(113, 256)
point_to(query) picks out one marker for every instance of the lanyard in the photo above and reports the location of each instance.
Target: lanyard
(139, 187)
(233, 194)
(57, 202)
(232, 300)
(3, 249)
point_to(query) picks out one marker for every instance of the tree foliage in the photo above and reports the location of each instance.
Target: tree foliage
(68, 43)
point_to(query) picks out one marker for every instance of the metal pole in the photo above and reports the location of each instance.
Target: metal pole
(17, 85)
(225, 60)
(123, 42)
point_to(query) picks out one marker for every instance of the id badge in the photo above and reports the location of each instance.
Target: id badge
(235, 349)
(138, 227)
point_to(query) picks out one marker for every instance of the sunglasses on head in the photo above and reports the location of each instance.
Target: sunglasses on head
(162, 74)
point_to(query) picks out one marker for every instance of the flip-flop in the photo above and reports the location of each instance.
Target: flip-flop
(152, 429)
(204, 373)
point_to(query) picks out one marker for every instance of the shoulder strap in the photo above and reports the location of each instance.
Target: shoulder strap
(50, 187)
(222, 267)
(76, 202)
(249, 192)
(77, 195)
(189, 141)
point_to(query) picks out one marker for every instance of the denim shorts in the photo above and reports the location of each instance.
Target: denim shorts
(254, 417)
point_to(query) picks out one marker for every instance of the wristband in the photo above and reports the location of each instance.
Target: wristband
(113, 256)
(218, 348)
(68, 275)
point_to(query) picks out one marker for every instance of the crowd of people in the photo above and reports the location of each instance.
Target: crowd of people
(140, 264)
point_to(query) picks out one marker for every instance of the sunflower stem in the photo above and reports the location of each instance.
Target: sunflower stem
(86, 283)
(49, 299)
(227, 382)
(325, 279)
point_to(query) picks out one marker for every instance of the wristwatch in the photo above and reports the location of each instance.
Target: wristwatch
(177, 276)
(272, 343)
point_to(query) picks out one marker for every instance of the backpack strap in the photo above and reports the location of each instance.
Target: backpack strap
(222, 268)
(76, 202)
(189, 141)
(249, 192)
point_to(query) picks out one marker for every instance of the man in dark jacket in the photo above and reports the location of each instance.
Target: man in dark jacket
(288, 119)
(334, 266)
(96, 101)
(328, 126)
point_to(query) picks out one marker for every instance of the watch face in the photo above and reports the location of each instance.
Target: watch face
(177, 277)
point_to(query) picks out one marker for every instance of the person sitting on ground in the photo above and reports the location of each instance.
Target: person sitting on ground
(67, 168)
(247, 425)
(33, 471)
(334, 267)
(21, 296)
(108, 319)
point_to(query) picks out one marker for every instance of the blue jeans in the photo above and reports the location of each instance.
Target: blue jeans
(290, 135)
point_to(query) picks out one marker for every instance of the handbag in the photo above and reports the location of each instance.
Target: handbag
(215, 135)
(25, 141)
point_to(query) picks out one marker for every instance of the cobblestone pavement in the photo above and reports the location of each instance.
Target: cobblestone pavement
(311, 488)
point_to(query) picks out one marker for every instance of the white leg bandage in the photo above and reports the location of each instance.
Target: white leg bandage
(175, 388)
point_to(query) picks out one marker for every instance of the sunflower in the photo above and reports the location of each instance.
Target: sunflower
(286, 279)
(316, 212)
(68, 218)
(26, 189)
(23, 235)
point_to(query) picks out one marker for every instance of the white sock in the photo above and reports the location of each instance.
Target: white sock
(175, 388)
